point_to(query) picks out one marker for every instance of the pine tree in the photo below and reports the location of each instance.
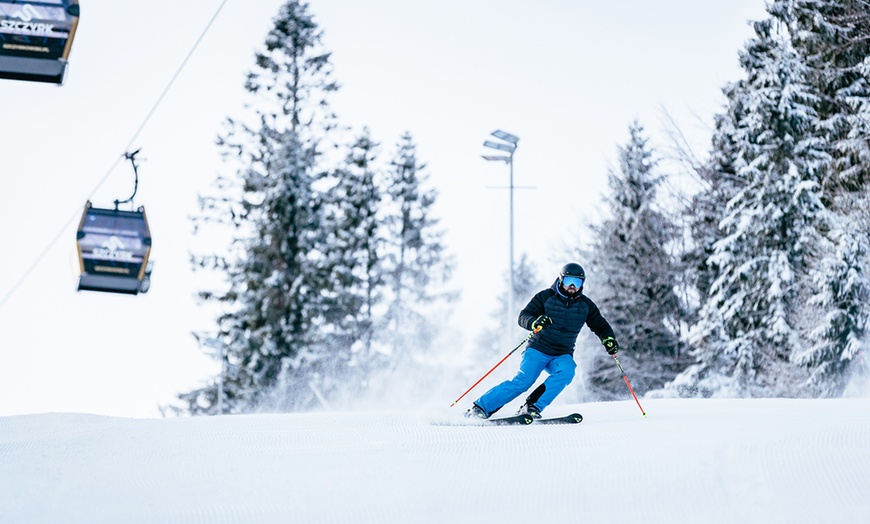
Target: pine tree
(834, 39)
(837, 315)
(632, 269)
(416, 263)
(833, 36)
(352, 257)
(722, 176)
(272, 303)
(720, 180)
(749, 328)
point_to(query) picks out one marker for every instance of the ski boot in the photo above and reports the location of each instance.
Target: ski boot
(476, 412)
(530, 410)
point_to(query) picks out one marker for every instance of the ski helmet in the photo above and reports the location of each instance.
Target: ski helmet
(572, 270)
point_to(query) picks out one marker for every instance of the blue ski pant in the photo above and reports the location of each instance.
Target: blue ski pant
(561, 370)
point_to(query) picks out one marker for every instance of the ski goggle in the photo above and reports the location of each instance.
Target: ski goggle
(569, 281)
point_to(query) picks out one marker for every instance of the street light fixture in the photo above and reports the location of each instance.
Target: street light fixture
(509, 144)
(507, 137)
(504, 147)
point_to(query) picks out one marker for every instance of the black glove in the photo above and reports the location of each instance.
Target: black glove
(611, 345)
(541, 322)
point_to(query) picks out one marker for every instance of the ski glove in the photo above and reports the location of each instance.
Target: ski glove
(541, 322)
(611, 345)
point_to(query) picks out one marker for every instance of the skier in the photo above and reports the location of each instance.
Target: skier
(557, 315)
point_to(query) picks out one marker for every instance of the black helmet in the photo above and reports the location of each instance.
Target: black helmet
(572, 269)
(573, 272)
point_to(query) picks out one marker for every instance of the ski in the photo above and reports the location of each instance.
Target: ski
(518, 420)
(573, 418)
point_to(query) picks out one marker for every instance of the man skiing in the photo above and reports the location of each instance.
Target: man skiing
(556, 315)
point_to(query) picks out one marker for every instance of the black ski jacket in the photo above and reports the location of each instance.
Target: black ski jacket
(568, 314)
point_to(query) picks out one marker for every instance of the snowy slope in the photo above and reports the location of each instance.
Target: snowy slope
(771, 461)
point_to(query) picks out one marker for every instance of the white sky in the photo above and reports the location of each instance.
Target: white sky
(566, 76)
(711, 461)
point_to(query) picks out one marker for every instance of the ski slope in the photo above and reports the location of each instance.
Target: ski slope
(711, 461)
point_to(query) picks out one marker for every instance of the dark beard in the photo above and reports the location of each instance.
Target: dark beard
(569, 294)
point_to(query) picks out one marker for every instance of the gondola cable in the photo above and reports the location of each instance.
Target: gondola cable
(105, 177)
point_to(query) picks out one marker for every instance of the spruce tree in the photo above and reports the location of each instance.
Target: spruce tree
(749, 327)
(633, 272)
(833, 36)
(352, 259)
(836, 315)
(417, 267)
(272, 302)
(719, 178)
(828, 41)
(834, 39)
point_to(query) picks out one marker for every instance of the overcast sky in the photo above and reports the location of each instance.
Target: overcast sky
(566, 76)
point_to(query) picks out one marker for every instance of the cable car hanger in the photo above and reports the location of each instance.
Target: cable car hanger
(132, 158)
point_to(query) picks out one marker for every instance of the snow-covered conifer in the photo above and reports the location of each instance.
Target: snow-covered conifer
(749, 329)
(633, 272)
(416, 265)
(271, 301)
(352, 260)
(834, 38)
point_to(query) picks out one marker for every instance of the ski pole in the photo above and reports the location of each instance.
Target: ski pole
(495, 366)
(627, 383)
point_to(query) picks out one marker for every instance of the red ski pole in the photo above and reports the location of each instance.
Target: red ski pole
(495, 366)
(627, 383)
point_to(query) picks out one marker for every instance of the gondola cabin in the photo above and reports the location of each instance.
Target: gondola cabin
(113, 248)
(36, 38)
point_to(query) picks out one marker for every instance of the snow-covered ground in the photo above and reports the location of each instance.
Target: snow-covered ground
(746, 461)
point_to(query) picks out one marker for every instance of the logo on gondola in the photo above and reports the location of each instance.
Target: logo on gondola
(25, 15)
(113, 248)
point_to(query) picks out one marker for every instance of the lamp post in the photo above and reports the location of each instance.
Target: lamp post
(508, 143)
